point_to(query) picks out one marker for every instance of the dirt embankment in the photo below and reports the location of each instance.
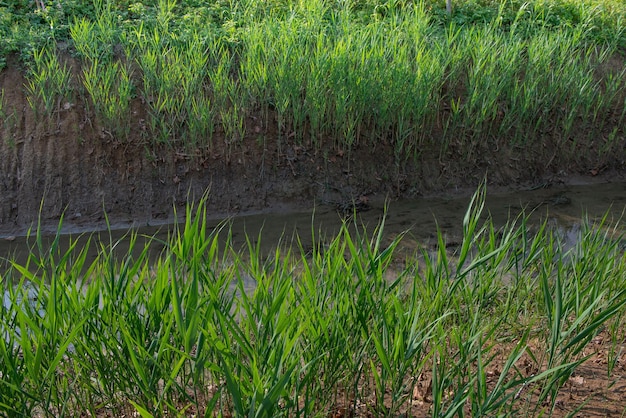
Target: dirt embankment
(68, 164)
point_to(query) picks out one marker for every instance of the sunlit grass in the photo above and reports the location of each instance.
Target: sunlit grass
(49, 82)
(325, 76)
(208, 329)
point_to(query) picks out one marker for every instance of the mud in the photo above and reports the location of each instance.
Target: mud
(564, 207)
(68, 165)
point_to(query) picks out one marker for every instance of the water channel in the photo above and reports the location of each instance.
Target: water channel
(563, 206)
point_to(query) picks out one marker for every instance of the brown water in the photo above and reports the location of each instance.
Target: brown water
(564, 206)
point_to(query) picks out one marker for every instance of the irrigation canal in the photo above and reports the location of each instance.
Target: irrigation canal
(563, 206)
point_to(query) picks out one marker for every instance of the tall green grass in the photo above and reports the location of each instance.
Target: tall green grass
(50, 81)
(363, 74)
(107, 79)
(207, 329)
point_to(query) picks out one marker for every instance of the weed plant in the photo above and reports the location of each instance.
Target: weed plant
(207, 329)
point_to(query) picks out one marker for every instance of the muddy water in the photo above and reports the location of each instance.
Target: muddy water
(562, 205)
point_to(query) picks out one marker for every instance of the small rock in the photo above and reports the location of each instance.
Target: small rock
(577, 380)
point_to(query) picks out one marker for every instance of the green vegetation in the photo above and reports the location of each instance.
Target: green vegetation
(207, 329)
(210, 329)
(492, 75)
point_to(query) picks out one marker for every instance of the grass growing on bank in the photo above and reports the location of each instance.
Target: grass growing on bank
(209, 330)
(493, 75)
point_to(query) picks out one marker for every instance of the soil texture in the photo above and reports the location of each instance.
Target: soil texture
(67, 165)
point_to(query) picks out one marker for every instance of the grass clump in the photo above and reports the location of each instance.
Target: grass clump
(496, 327)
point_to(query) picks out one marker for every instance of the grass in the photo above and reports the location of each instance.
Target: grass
(363, 73)
(208, 329)
(49, 82)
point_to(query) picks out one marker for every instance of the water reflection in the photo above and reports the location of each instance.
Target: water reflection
(562, 206)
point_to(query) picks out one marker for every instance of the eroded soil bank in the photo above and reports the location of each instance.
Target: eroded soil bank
(69, 165)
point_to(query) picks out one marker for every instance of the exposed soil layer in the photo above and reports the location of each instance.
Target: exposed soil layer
(68, 164)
